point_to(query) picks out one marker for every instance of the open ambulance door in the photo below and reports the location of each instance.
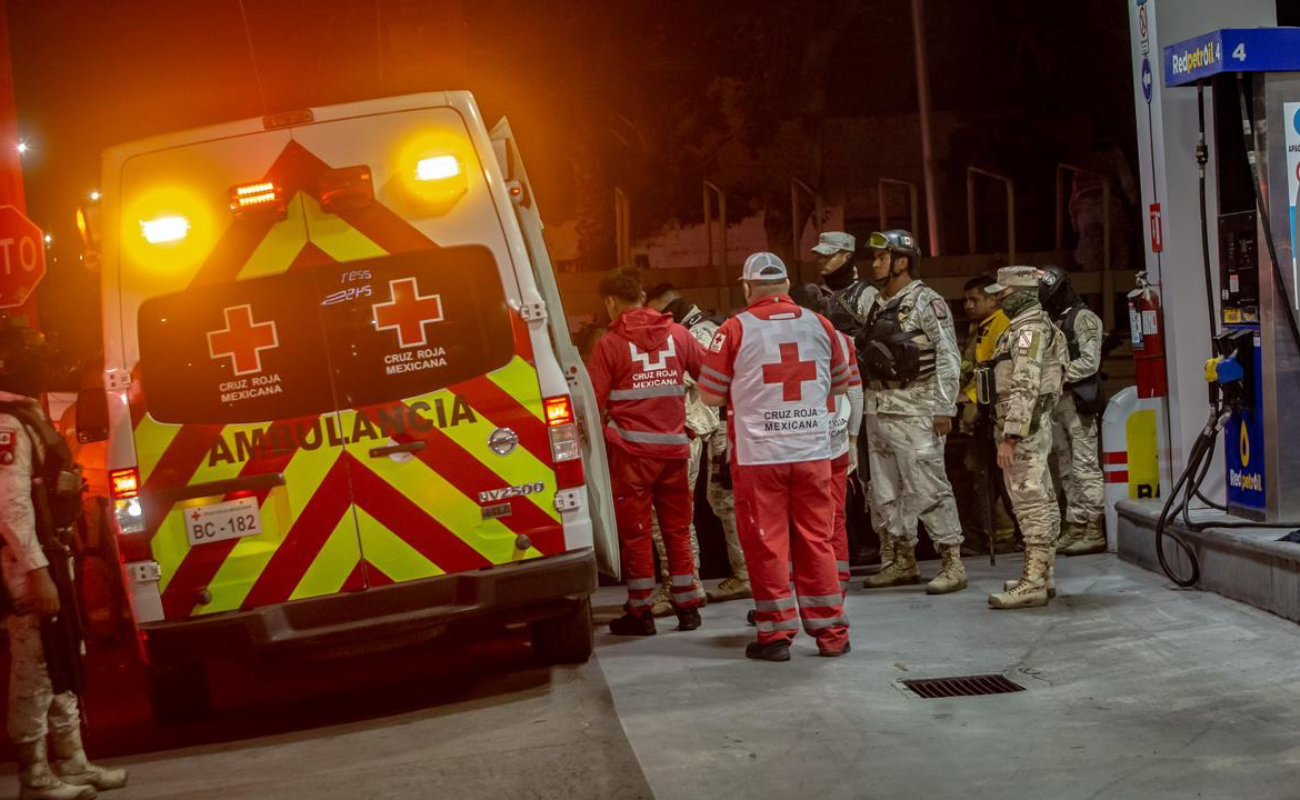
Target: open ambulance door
(604, 531)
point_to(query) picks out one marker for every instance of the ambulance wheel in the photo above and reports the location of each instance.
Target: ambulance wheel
(180, 694)
(566, 639)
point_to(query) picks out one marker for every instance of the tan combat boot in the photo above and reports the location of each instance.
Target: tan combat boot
(1051, 582)
(900, 571)
(952, 575)
(1070, 533)
(38, 781)
(732, 588)
(74, 768)
(1031, 590)
(1091, 540)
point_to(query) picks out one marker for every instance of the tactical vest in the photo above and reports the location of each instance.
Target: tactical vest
(55, 467)
(893, 358)
(1088, 393)
(843, 308)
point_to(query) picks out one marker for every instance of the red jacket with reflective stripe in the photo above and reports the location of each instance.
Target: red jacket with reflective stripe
(638, 370)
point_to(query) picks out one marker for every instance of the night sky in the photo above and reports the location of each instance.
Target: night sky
(596, 92)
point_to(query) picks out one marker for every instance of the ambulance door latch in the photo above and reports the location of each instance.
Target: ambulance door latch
(532, 311)
(116, 379)
(568, 500)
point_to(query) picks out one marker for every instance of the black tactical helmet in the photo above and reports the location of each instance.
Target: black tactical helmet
(1055, 291)
(895, 241)
(24, 359)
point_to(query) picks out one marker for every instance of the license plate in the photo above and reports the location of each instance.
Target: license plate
(232, 519)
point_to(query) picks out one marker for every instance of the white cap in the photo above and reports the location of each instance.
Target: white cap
(764, 267)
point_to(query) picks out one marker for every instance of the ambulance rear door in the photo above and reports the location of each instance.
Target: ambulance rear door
(440, 402)
(575, 371)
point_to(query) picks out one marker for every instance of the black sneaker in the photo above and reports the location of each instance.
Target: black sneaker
(835, 653)
(751, 618)
(688, 619)
(633, 625)
(772, 651)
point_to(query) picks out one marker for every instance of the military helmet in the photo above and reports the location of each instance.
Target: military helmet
(895, 241)
(1055, 292)
(24, 358)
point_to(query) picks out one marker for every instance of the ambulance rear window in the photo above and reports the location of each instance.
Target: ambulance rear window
(311, 341)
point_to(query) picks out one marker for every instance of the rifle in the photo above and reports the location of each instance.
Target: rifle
(61, 635)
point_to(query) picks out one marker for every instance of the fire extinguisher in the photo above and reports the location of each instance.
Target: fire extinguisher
(1147, 324)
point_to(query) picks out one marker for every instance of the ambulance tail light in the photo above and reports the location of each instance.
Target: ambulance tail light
(124, 489)
(261, 200)
(566, 441)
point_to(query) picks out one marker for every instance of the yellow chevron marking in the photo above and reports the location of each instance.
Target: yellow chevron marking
(444, 502)
(281, 245)
(390, 554)
(152, 440)
(336, 237)
(283, 504)
(519, 468)
(335, 562)
(519, 380)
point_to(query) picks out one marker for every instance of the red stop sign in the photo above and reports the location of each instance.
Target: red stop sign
(22, 257)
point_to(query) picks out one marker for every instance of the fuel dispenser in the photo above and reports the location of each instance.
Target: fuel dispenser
(1252, 80)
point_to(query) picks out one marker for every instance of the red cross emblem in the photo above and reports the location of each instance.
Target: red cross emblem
(790, 372)
(243, 340)
(408, 312)
(196, 516)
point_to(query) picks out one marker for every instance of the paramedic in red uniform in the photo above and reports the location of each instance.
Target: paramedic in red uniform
(638, 370)
(778, 367)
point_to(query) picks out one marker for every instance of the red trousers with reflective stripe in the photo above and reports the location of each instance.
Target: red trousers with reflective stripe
(639, 482)
(840, 490)
(770, 498)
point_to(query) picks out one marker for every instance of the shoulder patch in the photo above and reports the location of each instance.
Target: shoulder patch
(719, 339)
(1025, 339)
(940, 307)
(7, 442)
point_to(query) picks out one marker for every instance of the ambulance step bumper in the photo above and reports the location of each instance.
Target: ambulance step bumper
(512, 593)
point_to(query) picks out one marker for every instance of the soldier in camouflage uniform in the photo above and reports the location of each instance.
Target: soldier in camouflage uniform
(1074, 420)
(1026, 372)
(35, 711)
(709, 441)
(912, 369)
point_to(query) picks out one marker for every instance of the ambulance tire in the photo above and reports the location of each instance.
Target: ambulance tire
(180, 694)
(567, 639)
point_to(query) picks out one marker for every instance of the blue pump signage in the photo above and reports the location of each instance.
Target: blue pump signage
(1243, 440)
(1232, 50)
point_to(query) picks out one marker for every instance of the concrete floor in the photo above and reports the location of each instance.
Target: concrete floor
(1133, 691)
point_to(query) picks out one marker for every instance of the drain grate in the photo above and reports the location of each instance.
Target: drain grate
(962, 686)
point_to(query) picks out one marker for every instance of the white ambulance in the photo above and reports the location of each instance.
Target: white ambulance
(340, 398)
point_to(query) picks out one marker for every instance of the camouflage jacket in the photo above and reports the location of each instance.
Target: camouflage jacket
(936, 396)
(1029, 373)
(1085, 351)
(17, 516)
(701, 419)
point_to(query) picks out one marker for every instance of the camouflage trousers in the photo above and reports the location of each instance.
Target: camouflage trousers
(34, 708)
(908, 481)
(721, 500)
(1029, 483)
(1078, 464)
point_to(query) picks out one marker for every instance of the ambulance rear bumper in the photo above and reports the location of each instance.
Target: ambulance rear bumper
(512, 593)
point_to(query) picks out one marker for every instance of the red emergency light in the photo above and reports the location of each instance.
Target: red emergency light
(566, 441)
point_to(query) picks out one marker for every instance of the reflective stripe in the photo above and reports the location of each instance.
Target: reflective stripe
(844, 586)
(640, 583)
(646, 437)
(640, 601)
(683, 580)
(820, 600)
(682, 595)
(649, 391)
(710, 385)
(782, 625)
(717, 377)
(842, 566)
(784, 604)
(819, 624)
